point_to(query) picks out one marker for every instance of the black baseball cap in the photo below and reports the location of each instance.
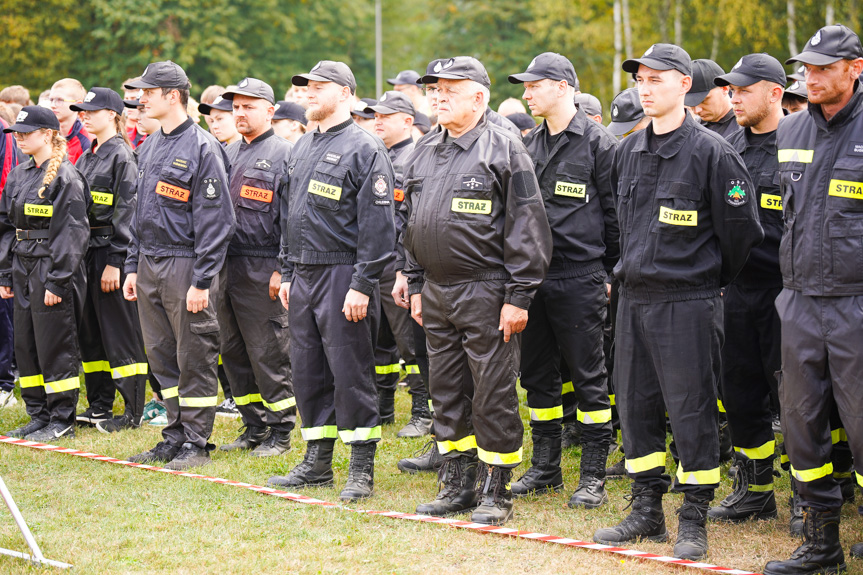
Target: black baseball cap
(134, 104)
(430, 69)
(363, 109)
(404, 77)
(661, 57)
(391, 102)
(422, 122)
(328, 71)
(458, 68)
(626, 112)
(704, 71)
(100, 99)
(251, 87)
(521, 120)
(829, 44)
(589, 103)
(290, 111)
(32, 118)
(165, 74)
(219, 103)
(798, 88)
(753, 68)
(547, 66)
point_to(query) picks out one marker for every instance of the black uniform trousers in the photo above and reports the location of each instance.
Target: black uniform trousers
(112, 347)
(472, 372)
(46, 341)
(182, 347)
(821, 365)
(567, 319)
(668, 358)
(333, 358)
(395, 340)
(422, 355)
(255, 343)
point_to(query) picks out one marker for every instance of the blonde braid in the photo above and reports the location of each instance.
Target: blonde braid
(120, 125)
(58, 145)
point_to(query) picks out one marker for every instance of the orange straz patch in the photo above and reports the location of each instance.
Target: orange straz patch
(398, 195)
(173, 192)
(256, 194)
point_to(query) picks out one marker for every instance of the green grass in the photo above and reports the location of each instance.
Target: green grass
(105, 518)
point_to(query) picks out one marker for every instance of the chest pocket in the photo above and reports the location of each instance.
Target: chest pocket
(770, 197)
(327, 186)
(845, 191)
(257, 191)
(174, 188)
(570, 184)
(471, 198)
(676, 209)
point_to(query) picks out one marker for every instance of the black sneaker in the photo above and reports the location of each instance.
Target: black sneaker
(276, 443)
(51, 432)
(428, 458)
(33, 425)
(162, 453)
(190, 455)
(91, 417)
(616, 471)
(118, 423)
(228, 408)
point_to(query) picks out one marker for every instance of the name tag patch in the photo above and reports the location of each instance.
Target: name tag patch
(102, 198)
(171, 191)
(180, 163)
(466, 206)
(257, 194)
(570, 190)
(770, 202)
(43, 210)
(678, 217)
(325, 190)
(855, 148)
(332, 158)
(846, 189)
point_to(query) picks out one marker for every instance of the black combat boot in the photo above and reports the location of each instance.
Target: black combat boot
(387, 405)
(692, 528)
(456, 494)
(753, 492)
(249, 439)
(277, 443)
(820, 552)
(361, 473)
(316, 468)
(645, 521)
(795, 522)
(856, 551)
(544, 474)
(590, 492)
(493, 490)
(421, 419)
(428, 458)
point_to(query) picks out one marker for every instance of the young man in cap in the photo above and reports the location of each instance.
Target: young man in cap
(407, 83)
(63, 94)
(220, 119)
(289, 121)
(572, 157)
(337, 233)
(478, 246)
(363, 116)
(253, 324)
(821, 178)
(687, 223)
(183, 223)
(627, 115)
(709, 101)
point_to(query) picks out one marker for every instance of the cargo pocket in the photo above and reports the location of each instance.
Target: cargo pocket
(280, 325)
(257, 191)
(846, 248)
(325, 187)
(204, 327)
(174, 189)
(471, 199)
(677, 210)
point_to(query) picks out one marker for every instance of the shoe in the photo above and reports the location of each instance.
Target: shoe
(116, 424)
(7, 398)
(162, 453)
(752, 496)
(847, 486)
(645, 521)
(796, 520)
(387, 406)
(544, 474)
(251, 438)
(153, 409)
(428, 458)
(315, 470)
(91, 417)
(590, 492)
(692, 529)
(190, 455)
(820, 552)
(493, 490)
(421, 419)
(571, 435)
(361, 473)
(32, 426)
(277, 443)
(228, 408)
(616, 471)
(456, 493)
(52, 431)
(160, 420)
(856, 551)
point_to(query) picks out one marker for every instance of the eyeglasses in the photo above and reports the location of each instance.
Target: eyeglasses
(57, 101)
(23, 135)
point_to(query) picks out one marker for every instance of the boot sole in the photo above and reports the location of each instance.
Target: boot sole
(329, 483)
(843, 568)
(579, 504)
(416, 470)
(448, 513)
(269, 454)
(540, 491)
(766, 516)
(662, 538)
(497, 522)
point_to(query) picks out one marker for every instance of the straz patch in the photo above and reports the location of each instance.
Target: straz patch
(332, 158)
(212, 188)
(263, 164)
(173, 192)
(180, 163)
(771, 202)
(398, 195)
(678, 217)
(846, 189)
(41, 210)
(571, 190)
(466, 206)
(381, 186)
(102, 198)
(257, 194)
(736, 194)
(325, 190)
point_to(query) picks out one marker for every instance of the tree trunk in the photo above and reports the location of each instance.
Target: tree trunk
(664, 10)
(678, 22)
(627, 28)
(618, 47)
(792, 31)
(829, 17)
(714, 47)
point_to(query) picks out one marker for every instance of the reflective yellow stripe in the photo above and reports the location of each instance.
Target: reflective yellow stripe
(463, 444)
(593, 417)
(129, 370)
(212, 401)
(546, 413)
(495, 458)
(360, 434)
(859, 479)
(838, 435)
(761, 488)
(62, 385)
(646, 463)
(567, 387)
(784, 458)
(96, 366)
(612, 399)
(31, 381)
(247, 399)
(802, 156)
(323, 432)
(842, 474)
(701, 477)
(812, 474)
(220, 359)
(431, 407)
(412, 369)
(761, 452)
(169, 392)
(281, 405)
(720, 406)
(386, 369)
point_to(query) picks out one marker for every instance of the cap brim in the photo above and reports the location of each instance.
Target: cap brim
(736, 79)
(140, 85)
(386, 110)
(694, 98)
(304, 79)
(631, 66)
(524, 77)
(620, 128)
(392, 81)
(21, 128)
(796, 78)
(85, 107)
(230, 95)
(433, 79)
(799, 91)
(131, 103)
(813, 58)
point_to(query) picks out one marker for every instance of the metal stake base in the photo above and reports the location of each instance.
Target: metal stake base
(36, 556)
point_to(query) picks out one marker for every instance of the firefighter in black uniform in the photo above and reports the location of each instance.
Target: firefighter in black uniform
(572, 156)
(43, 237)
(180, 234)
(709, 101)
(750, 356)
(478, 246)
(254, 325)
(687, 223)
(821, 180)
(337, 233)
(110, 334)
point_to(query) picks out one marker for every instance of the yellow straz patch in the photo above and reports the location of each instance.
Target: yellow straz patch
(845, 189)
(464, 206)
(325, 190)
(257, 194)
(102, 198)
(770, 202)
(570, 190)
(43, 210)
(678, 217)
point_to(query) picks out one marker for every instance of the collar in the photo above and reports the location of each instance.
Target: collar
(768, 140)
(259, 139)
(671, 147)
(29, 164)
(729, 117)
(402, 144)
(465, 141)
(102, 150)
(180, 129)
(338, 127)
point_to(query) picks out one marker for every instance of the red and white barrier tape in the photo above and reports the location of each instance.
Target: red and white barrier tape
(392, 514)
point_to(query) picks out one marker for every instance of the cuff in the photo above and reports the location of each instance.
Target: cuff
(517, 300)
(116, 260)
(363, 286)
(202, 283)
(55, 289)
(415, 286)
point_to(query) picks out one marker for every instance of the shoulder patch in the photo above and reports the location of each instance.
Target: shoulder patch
(212, 188)
(381, 186)
(736, 194)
